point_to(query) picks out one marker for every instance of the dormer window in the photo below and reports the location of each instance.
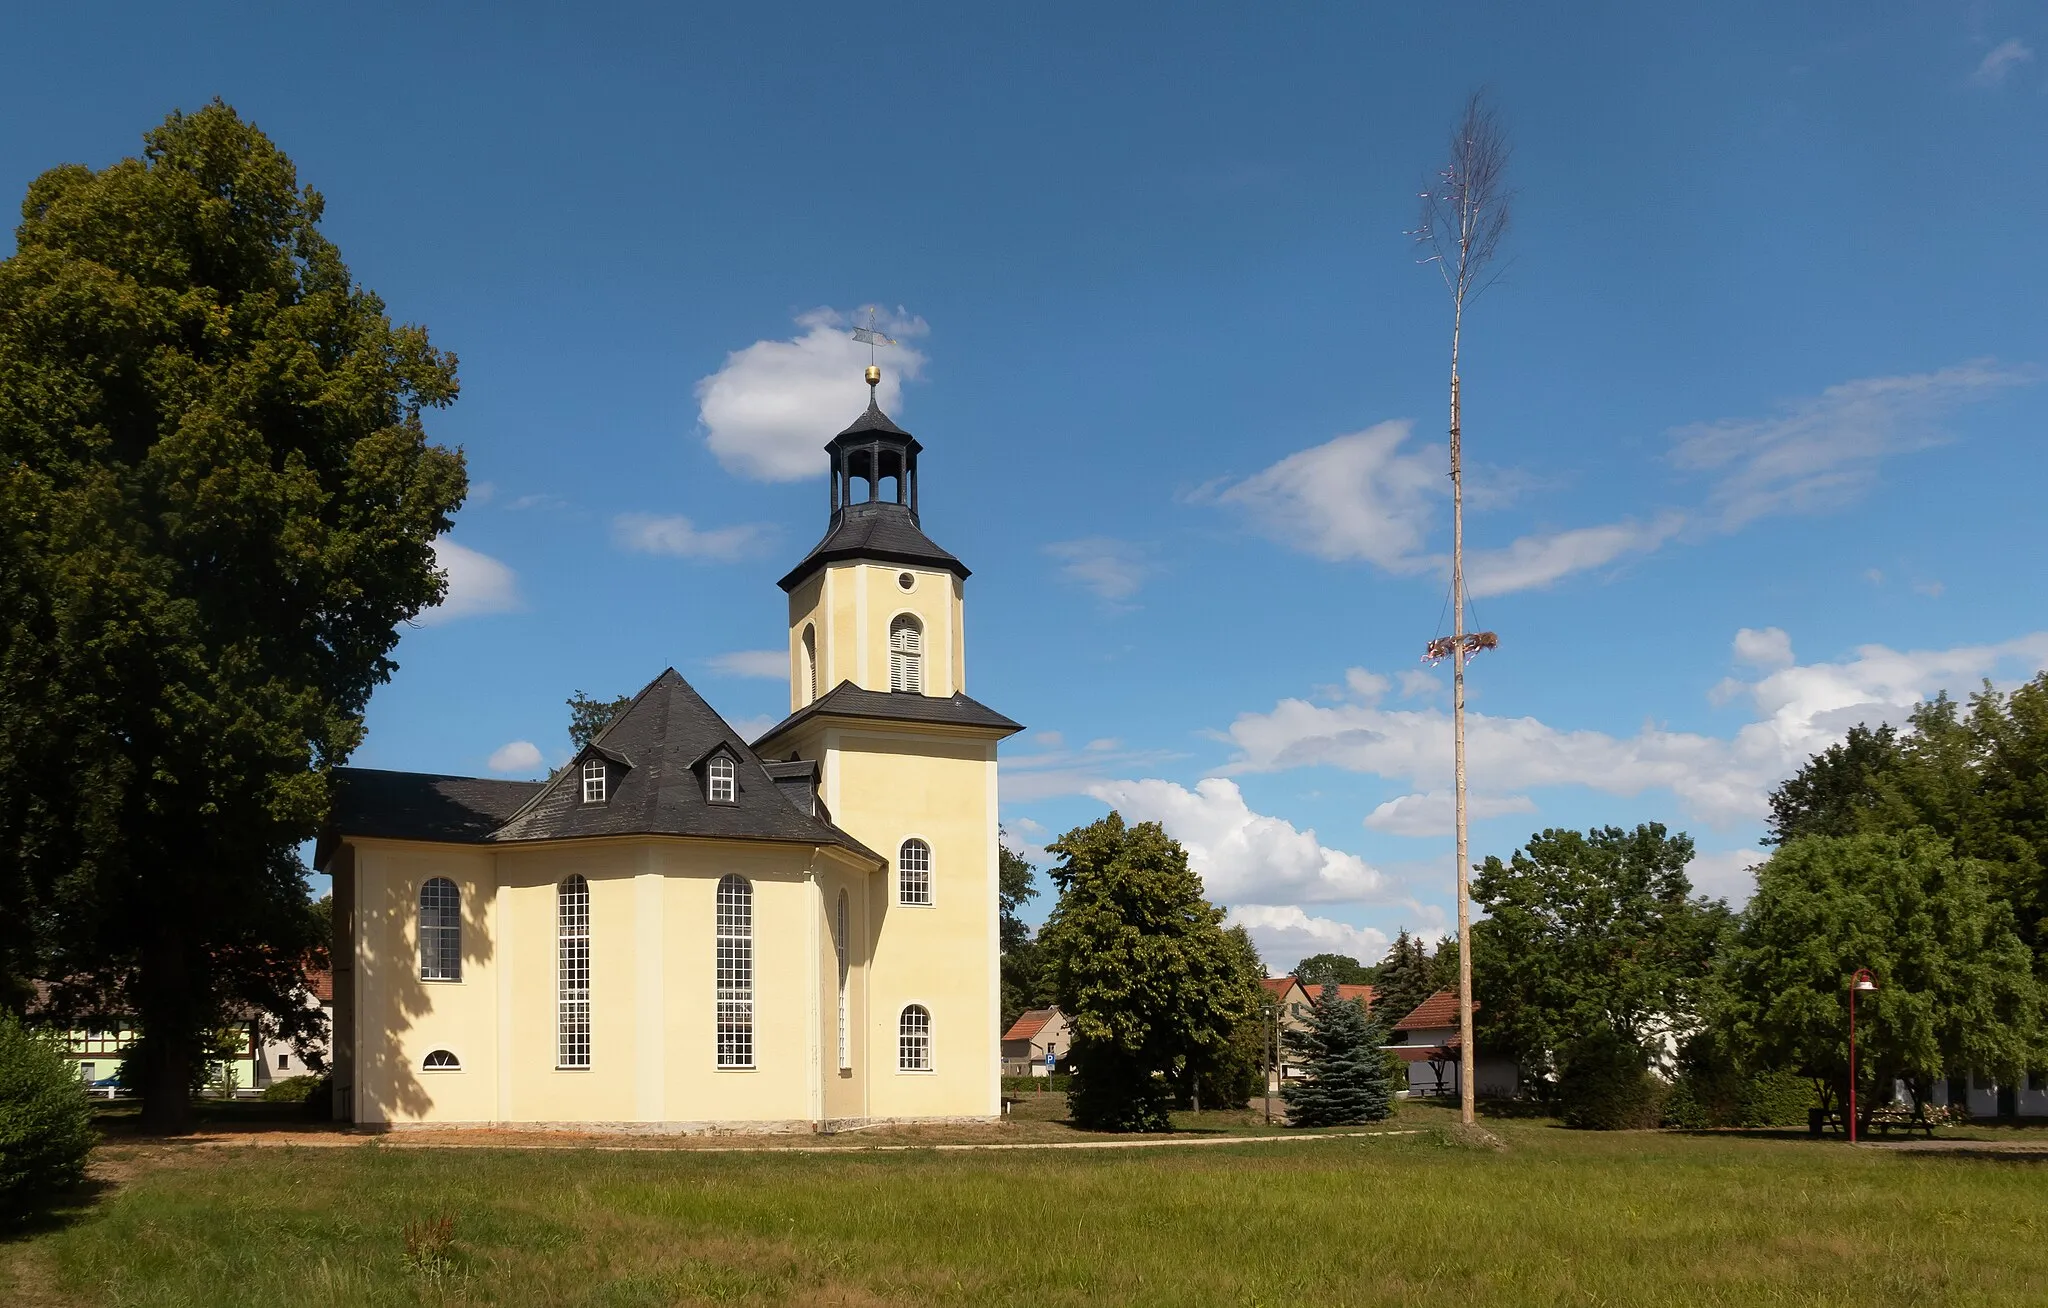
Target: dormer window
(719, 775)
(593, 781)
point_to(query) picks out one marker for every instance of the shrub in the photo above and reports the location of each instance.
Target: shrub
(1706, 1097)
(1775, 1099)
(1056, 1084)
(45, 1122)
(1606, 1086)
(291, 1090)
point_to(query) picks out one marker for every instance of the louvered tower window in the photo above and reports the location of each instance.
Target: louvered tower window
(440, 930)
(735, 972)
(572, 973)
(906, 655)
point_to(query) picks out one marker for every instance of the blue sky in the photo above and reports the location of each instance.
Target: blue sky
(1755, 412)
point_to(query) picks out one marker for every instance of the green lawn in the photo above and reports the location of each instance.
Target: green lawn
(1557, 1218)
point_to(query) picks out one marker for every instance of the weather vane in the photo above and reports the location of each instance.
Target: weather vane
(871, 338)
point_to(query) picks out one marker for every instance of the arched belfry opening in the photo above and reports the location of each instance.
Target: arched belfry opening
(874, 462)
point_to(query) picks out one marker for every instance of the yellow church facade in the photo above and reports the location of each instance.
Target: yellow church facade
(684, 930)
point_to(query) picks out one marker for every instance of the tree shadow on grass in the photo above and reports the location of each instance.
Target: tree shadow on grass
(65, 1208)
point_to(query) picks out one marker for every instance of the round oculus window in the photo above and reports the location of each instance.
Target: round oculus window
(907, 580)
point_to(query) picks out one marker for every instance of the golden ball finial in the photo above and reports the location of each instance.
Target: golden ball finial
(874, 375)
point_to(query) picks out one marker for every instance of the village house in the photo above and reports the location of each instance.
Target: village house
(1427, 1041)
(1035, 1039)
(687, 930)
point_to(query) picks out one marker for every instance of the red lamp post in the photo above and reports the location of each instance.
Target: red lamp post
(1865, 983)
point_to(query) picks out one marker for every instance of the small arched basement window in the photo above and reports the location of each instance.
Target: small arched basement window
(442, 1060)
(914, 1040)
(440, 930)
(914, 873)
(906, 655)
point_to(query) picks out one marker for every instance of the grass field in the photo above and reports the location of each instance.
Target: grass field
(1556, 1217)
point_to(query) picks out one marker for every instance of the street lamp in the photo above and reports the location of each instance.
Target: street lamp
(1864, 983)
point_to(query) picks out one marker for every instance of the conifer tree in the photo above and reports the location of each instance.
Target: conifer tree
(1347, 1079)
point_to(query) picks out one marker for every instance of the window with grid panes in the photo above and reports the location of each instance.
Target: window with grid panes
(593, 781)
(720, 772)
(572, 973)
(735, 995)
(440, 930)
(914, 873)
(914, 1040)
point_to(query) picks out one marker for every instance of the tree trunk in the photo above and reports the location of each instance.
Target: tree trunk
(164, 1013)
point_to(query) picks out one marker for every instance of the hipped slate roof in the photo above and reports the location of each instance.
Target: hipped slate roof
(874, 529)
(654, 787)
(847, 700)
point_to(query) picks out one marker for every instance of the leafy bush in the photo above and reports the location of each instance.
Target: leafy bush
(1775, 1099)
(1057, 1083)
(1706, 1097)
(45, 1122)
(1606, 1086)
(291, 1090)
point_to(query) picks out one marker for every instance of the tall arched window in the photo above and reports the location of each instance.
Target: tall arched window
(735, 972)
(914, 1040)
(810, 664)
(906, 655)
(440, 930)
(914, 873)
(572, 973)
(841, 943)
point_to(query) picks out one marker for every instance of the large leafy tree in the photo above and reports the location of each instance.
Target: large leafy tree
(1016, 885)
(1956, 987)
(1142, 966)
(1319, 970)
(218, 503)
(1589, 933)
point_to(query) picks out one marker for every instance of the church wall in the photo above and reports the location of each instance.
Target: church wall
(885, 787)
(804, 610)
(931, 600)
(845, 1089)
(398, 1018)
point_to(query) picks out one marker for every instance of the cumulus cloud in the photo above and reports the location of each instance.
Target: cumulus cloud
(1285, 935)
(769, 411)
(477, 584)
(1823, 451)
(1242, 855)
(1434, 812)
(1113, 569)
(1357, 497)
(676, 535)
(2001, 61)
(518, 756)
(1769, 648)
(1725, 874)
(767, 664)
(1798, 709)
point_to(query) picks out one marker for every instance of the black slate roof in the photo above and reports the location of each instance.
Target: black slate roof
(847, 700)
(655, 787)
(419, 806)
(876, 529)
(874, 420)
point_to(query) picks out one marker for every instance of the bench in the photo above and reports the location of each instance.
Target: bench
(1909, 1125)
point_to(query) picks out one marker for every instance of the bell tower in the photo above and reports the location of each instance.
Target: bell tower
(876, 603)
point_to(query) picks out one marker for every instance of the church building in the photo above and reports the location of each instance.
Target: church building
(684, 930)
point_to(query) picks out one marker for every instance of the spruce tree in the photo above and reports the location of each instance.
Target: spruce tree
(1347, 1079)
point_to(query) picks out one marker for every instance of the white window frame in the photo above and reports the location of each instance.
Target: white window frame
(721, 780)
(843, 944)
(428, 1064)
(440, 940)
(810, 648)
(904, 1064)
(594, 781)
(928, 880)
(733, 980)
(906, 657)
(572, 973)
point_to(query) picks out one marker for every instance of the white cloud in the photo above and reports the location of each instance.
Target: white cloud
(1434, 812)
(1725, 874)
(752, 728)
(1285, 935)
(2003, 58)
(1113, 569)
(1798, 710)
(769, 411)
(647, 533)
(1418, 684)
(477, 584)
(1821, 452)
(1356, 497)
(1536, 561)
(1242, 855)
(1053, 769)
(1769, 648)
(767, 664)
(521, 756)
